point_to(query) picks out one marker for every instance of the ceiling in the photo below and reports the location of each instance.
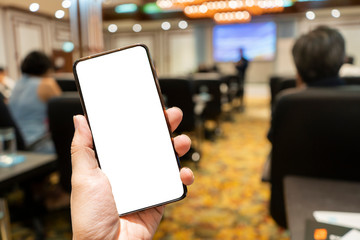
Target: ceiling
(49, 7)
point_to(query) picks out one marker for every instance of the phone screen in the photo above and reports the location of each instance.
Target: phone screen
(130, 131)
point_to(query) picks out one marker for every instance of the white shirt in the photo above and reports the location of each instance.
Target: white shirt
(7, 86)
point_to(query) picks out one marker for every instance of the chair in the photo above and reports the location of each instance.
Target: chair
(213, 107)
(315, 134)
(6, 120)
(277, 84)
(67, 85)
(212, 110)
(179, 92)
(60, 113)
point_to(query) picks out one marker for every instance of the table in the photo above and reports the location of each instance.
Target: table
(304, 195)
(34, 164)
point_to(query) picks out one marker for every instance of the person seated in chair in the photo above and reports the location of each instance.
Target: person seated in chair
(28, 102)
(318, 57)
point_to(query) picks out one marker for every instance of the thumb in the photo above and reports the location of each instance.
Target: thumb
(82, 153)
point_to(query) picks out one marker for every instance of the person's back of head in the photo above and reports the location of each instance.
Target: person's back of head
(36, 63)
(319, 54)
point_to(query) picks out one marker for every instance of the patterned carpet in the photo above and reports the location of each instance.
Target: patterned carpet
(227, 200)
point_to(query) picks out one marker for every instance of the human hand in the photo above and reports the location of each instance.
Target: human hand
(93, 210)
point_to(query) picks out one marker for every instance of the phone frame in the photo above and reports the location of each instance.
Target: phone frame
(155, 78)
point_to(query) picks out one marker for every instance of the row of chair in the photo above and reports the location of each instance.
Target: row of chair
(199, 98)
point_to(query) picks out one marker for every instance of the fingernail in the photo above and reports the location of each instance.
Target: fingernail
(76, 121)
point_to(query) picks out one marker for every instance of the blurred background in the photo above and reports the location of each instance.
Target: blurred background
(195, 44)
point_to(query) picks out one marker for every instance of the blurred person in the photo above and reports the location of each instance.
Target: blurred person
(93, 210)
(318, 56)
(241, 67)
(6, 84)
(349, 69)
(28, 102)
(242, 64)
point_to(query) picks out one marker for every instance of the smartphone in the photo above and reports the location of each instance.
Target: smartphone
(122, 101)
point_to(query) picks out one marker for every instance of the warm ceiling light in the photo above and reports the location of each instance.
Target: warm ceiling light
(137, 28)
(66, 4)
(59, 14)
(335, 13)
(310, 15)
(112, 28)
(165, 26)
(209, 8)
(34, 7)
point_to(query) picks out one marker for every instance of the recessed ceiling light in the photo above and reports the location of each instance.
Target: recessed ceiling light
(137, 28)
(335, 13)
(183, 24)
(112, 28)
(66, 4)
(59, 14)
(165, 26)
(310, 15)
(34, 7)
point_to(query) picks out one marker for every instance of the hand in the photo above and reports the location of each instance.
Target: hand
(93, 210)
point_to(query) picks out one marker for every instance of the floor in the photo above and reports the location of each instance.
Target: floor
(226, 201)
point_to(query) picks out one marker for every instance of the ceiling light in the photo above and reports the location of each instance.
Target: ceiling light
(310, 15)
(66, 4)
(112, 28)
(151, 8)
(34, 7)
(335, 13)
(126, 8)
(183, 24)
(137, 28)
(165, 26)
(59, 14)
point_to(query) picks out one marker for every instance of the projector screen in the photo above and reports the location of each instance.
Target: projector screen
(257, 39)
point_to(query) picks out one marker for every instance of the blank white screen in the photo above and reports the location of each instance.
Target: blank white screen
(129, 128)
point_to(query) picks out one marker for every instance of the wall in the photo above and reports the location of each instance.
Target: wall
(175, 52)
(26, 32)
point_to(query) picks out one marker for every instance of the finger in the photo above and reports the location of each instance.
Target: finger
(174, 115)
(182, 144)
(82, 154)
(187, 176)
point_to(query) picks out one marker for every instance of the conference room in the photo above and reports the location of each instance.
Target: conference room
(269, 92)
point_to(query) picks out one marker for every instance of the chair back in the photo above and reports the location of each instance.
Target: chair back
(315, 134)
(67, 85)
(177, 92)
(60, 112)
(6, 120)
(212, 87)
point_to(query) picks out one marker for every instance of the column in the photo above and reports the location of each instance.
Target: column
(86, 27)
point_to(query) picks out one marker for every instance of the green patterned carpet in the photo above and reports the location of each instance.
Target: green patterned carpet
(227, 199)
